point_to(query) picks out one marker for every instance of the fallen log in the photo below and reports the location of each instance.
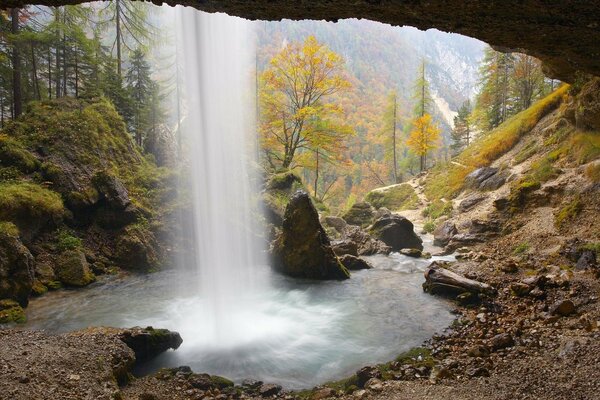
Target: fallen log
(439, 280)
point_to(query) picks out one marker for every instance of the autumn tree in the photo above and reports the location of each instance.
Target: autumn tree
(296, 116)
(528, 82)
(424, 137)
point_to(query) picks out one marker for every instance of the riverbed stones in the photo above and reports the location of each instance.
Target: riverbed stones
(397, 232)
(303, 249)
(415, 253)
(366, 244)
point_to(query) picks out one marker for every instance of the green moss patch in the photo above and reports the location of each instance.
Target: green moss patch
(568, 212)
(395, 197)
(28, 200)
(13, 154)
(437, 209)
(11, 312)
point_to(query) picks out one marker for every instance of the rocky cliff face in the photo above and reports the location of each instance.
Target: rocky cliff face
(77, 199)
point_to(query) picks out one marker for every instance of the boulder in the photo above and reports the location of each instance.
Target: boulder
(44, 268)
(470, 202)
(397, 232)
(416, 253)
(149, 342)
(115, 207)
(302, 249)
(586, 260)
(366, 245)
(353, 263)
(444, 233)
(587, 107)
(336, 223)
(136, 249)
(72, 269)
(342, 247)
(367, 373)
(563, 308)
(360, 214)
(16, 269)
(477, 177)
(478, 226)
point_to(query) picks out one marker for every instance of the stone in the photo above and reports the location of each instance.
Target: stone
(477, 226)
(493, 182)
(353, 263)
(17, 270)
(563, 308)
(587, 106)
(478, 351)
(478, 372)
(475, 179)
(360, 214)
(444, 233)
(11, 312)
(336, 223)
(520, 289)
(415, 253)
(365, 244)
(136, 249)
(342, 247)
(269, 389)
(252, 383)
(509, 266)
(397, 232)
(586, 260)
(303, 249)
(367, 373)
(149, 342)
(501, 203)
(501, 341)
(374, 385)
(470, 202)
(72, 269)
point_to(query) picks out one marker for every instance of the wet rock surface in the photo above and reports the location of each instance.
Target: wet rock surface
(303, 249)
(353, 263)
(397, 232)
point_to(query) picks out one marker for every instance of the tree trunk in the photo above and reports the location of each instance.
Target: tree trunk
(16, 64)
(49, 73)
(394, 142)
(118, 16)
(36, 83)
(76, 77)
(317, 173)
(57, 52)
(439, 280)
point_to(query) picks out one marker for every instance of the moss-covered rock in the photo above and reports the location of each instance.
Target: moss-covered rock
(72, 269)
(11, 312)
(136, 248)
(16, 268)
(395, 197)
(303, 249)
(360, 214)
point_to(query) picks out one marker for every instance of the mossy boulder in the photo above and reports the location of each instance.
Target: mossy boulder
(72, 268)
(397, 232)
(587, 106)
(11, 312)
(16, 268)
(303, 249)
(395, 197)
(149, 342)
(136, 248)
(360, 214)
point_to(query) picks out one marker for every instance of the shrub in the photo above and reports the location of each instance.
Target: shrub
(66, 241)
(437, 208)
(592, 172)
(521, 248)
(429, 227)
(568, 212)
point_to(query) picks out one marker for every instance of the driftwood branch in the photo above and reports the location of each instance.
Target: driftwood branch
(439, 280)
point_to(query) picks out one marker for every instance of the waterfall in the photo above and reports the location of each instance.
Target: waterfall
(217, 56)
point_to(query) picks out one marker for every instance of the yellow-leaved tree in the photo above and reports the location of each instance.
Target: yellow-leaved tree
(425, 136)
(295, 112)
